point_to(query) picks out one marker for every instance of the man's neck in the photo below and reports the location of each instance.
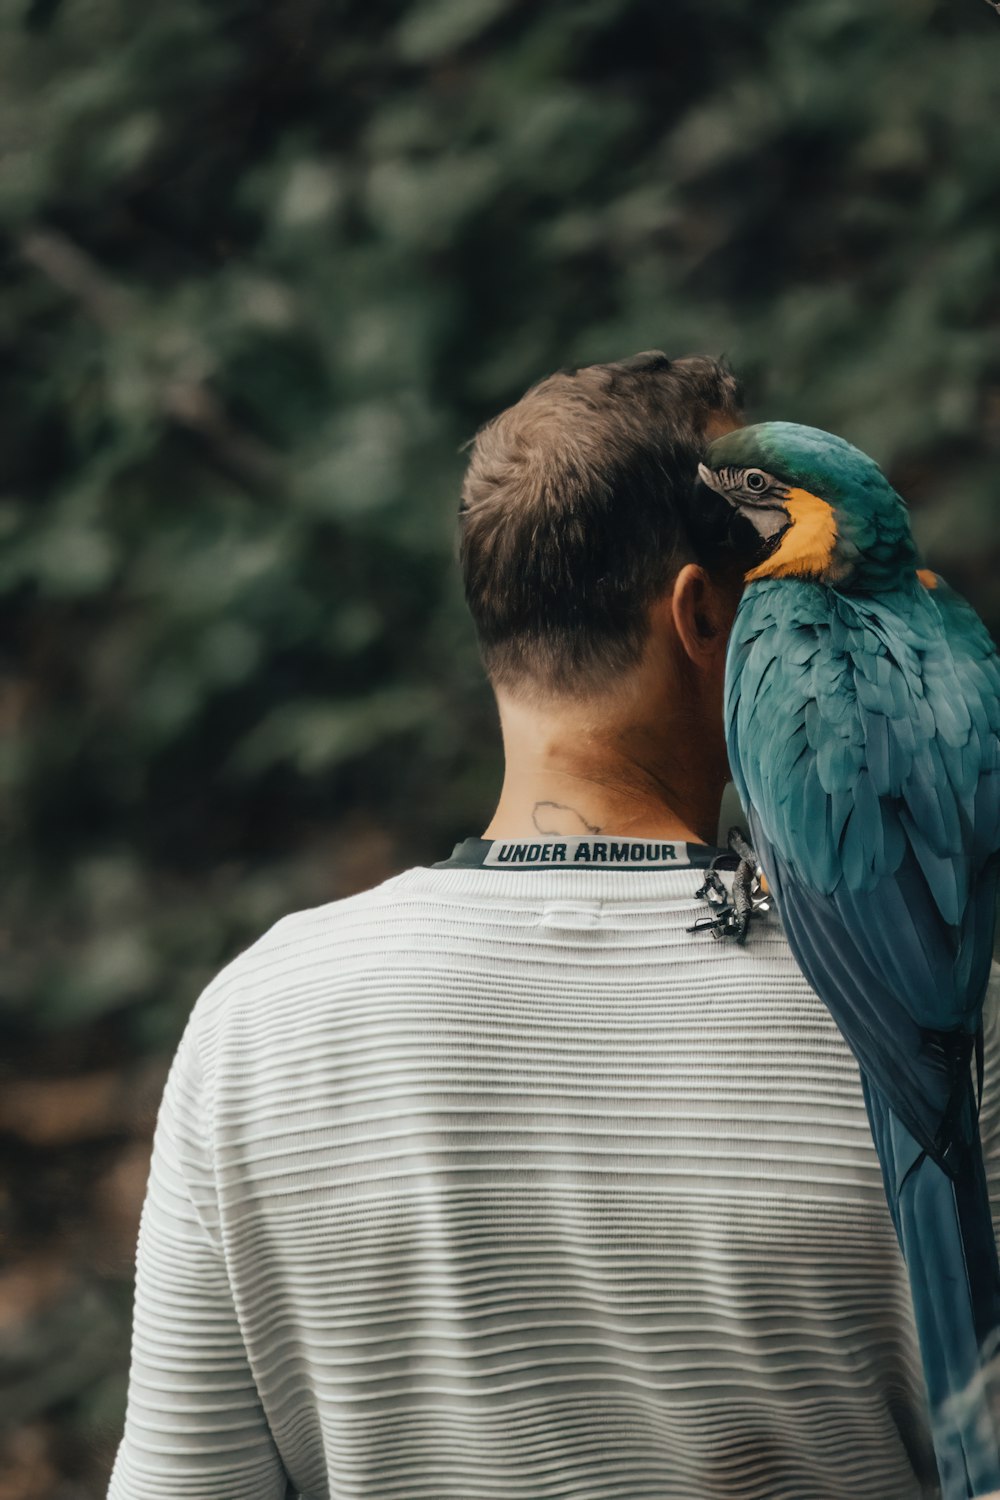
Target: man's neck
(632, 764)
(555, 802)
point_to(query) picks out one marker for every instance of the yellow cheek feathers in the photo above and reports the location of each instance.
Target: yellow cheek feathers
(806, 548)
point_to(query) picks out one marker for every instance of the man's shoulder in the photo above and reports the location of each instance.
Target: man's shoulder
(991, 1014)
(299, 940)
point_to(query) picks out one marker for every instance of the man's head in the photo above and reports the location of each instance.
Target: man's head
(572, 521)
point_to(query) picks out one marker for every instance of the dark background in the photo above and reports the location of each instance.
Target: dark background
(265, 268)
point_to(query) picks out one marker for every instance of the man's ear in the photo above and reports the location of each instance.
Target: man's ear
(703, 609)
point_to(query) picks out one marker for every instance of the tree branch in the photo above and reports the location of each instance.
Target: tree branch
(188, 403)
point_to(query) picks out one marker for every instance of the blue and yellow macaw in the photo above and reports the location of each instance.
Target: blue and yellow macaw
(863, 725)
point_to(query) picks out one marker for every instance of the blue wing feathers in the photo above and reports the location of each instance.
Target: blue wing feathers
(841, 808)
(863, 734)
(874, 687)
(862, 981)
(837, 762)
(943, 872)
(875, 1024)
(879, 756)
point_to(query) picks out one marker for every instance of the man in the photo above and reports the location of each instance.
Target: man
(498, 1182)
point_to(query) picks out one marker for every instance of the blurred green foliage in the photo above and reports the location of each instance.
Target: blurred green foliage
(265, 270)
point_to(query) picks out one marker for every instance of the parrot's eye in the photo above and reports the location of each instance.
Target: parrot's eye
(755, 481)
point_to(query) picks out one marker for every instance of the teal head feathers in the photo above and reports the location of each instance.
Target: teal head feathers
(822, 509)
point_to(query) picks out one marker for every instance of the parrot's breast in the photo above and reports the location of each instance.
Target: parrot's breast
(807, 548)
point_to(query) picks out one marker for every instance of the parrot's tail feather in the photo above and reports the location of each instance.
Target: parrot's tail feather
(972, 1411)
(945, 1231)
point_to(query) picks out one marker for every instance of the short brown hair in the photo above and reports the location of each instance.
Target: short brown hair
(572, 516)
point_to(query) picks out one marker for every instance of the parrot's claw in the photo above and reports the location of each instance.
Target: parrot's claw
(731, 914)
(712, 890)
(724, 924)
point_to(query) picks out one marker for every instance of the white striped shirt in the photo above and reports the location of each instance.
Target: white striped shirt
(499, 1184)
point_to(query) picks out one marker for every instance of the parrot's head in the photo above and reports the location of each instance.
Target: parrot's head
(822, 509)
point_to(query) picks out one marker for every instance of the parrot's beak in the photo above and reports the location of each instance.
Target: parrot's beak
(769, 520)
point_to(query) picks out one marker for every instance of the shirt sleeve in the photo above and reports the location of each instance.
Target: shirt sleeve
(194, 1425)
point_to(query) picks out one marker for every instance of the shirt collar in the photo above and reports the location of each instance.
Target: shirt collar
(553, 852)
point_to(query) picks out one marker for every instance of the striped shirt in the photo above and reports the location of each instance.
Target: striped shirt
(498, 1183)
